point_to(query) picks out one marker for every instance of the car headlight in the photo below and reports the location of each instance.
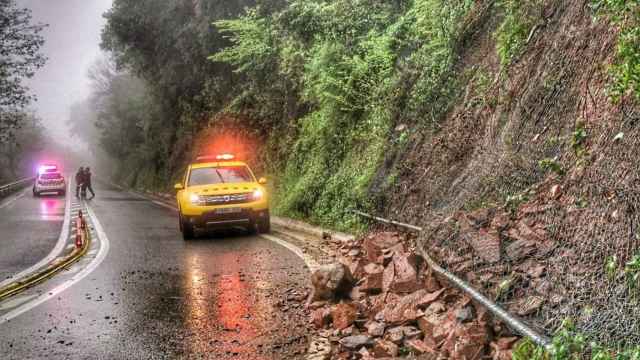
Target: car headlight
(257, 194)
(195, 199)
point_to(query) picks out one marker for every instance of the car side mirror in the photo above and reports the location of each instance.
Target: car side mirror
(262, 181)
(178, 186)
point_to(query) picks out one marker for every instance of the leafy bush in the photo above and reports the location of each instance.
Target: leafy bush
(347, 59)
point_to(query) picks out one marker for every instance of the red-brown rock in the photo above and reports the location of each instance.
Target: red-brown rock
(419, 347)
(384, 348)
(373, 274)
(407, 309)
(321, 317)
(406, 274)
(375, 244)
(375, 328)
(343, 315)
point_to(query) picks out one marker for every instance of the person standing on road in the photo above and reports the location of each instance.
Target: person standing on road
(79, 180)
(87, 181)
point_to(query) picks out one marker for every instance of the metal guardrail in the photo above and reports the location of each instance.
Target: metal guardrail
(513, 322)
(9, 188)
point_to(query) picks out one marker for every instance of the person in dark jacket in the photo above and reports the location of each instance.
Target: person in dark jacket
(79, 180)
(87, 181)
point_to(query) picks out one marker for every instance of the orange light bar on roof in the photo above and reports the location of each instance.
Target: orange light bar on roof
(225, 157)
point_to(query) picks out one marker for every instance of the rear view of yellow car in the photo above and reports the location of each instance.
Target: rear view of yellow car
(220, 192)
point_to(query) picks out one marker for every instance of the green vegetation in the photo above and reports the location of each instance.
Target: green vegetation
(625, 72)
(20, 58)
(321, 84)
(513, 34)
(554, 165)
(632, 273)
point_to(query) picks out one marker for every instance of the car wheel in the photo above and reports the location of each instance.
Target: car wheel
(62, 193)
(35, 193)
(264, 225)
(188, 232)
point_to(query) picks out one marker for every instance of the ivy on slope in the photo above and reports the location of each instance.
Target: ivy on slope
(625, 71)
(357, 66)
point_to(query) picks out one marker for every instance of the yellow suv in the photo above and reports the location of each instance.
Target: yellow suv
(220, 192)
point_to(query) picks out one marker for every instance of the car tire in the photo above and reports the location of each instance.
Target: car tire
(62, 193)
(36, 194)
(264, 225)
(188, 232)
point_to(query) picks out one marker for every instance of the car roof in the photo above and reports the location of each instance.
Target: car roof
(200, 165)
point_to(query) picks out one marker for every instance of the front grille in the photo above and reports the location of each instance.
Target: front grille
(226, 199)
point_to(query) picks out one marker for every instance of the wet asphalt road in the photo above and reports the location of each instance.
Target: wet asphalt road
(155, 296)
(41, 215)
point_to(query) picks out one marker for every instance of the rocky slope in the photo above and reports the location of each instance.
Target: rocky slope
(529, 187)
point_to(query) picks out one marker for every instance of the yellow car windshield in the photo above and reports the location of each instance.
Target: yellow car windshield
(219, 175)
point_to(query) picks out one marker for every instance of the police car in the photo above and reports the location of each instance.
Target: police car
(49, 180)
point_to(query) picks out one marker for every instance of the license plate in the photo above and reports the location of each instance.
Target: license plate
(228, 210)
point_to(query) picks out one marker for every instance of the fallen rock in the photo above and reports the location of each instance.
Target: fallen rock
(330, 282)
(384, 348)
(355, 342)
(407, 308)
(406, 274)
(343, 315)
(465, 314)
(373, 274)
(375, 328)
(321, 317)
(375, 244)
(417, 346)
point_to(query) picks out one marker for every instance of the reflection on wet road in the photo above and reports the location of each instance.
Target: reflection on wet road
(227, 295)
(29, 229)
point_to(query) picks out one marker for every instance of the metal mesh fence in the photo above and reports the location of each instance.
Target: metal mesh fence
(534, 209)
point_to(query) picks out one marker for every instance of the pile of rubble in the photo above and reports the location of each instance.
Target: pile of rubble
(382, 300)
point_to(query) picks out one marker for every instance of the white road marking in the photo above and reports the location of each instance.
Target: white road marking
(56, 250)
(102, 253)
(308, 260)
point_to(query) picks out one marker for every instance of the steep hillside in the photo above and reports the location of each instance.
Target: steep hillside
(529, 185)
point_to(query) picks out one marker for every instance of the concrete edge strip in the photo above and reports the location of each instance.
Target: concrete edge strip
(57, 249)
(102, 253)
(297, 225)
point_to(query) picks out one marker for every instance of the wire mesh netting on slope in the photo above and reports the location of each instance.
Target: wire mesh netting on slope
(535, 200)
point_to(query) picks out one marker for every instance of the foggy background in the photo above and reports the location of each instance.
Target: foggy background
(72, 45)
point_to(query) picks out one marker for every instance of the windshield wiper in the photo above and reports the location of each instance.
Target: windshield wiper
(219, 175)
